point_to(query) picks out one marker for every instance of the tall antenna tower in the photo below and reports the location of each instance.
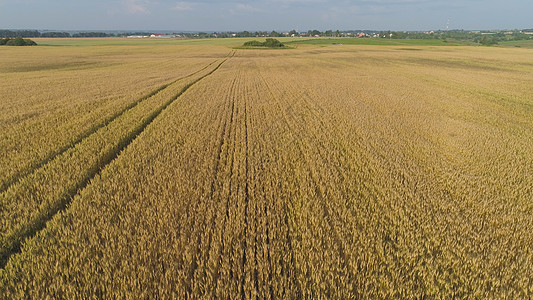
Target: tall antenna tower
(448, 25)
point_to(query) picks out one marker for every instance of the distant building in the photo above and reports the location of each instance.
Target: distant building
(162, 36)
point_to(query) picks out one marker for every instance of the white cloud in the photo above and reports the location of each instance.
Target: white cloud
(297, 3)
(136, 6)
(393, 1)
(300, 1)
(184, 6)
(244, 8)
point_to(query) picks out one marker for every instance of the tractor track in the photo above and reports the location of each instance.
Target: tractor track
(12, 244)
(40, 164)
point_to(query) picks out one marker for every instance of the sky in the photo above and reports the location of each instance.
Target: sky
(266, 15)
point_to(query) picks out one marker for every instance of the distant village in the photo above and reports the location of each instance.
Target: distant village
(487, 37)
(282, 34)
(355, 34)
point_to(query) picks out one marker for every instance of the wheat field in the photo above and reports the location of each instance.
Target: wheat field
(194, 170)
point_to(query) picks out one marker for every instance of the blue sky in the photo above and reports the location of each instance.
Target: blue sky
(212, 15)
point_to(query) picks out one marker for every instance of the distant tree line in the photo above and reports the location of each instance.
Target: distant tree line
(37, 34)
(481, 37)
(55, 35)
(19, 33)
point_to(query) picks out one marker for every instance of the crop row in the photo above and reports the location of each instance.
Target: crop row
(28, 204)
(306, 174)
(60, 99)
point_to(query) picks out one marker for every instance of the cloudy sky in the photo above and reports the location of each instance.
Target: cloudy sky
(213, 15)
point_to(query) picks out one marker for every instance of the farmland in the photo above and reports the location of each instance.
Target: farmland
(176, 169)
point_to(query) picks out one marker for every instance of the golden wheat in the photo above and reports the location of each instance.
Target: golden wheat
(317, 172)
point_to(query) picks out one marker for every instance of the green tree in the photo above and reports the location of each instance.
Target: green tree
(272, 43)
(253, 44)
(20, 42)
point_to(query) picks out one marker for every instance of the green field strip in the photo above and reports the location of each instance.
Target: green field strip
(53, 155)
(26, 206)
